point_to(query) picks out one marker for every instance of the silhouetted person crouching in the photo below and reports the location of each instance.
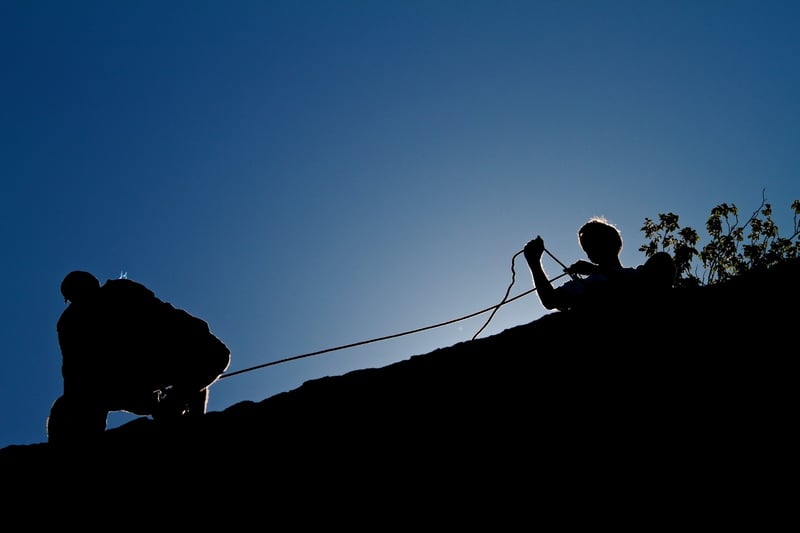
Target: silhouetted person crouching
(124, 349)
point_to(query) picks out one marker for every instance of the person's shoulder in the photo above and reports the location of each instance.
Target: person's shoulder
(122, 282)
(618, 273)
(127, 287)
(659, 270)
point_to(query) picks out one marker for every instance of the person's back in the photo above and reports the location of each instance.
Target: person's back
(133, 333)
(162, 348)
(124, 349)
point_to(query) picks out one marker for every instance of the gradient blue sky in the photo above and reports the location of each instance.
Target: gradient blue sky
(305, 175)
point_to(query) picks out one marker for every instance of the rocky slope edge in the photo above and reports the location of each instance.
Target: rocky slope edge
(682, 402)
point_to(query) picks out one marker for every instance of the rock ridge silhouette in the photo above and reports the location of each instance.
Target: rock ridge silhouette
(667, 404)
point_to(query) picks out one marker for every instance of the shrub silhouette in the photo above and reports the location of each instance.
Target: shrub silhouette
(730, 252)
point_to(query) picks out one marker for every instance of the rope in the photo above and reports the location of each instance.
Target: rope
(513, 276)
(503, 301)
(360, 343)
(493, 308)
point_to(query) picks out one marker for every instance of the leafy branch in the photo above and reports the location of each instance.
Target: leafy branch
(731, 251)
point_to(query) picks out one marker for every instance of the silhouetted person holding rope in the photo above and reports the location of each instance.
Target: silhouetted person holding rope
(602, 279)
(124, 349)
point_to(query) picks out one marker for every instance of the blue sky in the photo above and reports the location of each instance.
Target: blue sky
(306, 175)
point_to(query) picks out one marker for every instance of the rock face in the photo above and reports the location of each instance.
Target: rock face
(678, 404)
